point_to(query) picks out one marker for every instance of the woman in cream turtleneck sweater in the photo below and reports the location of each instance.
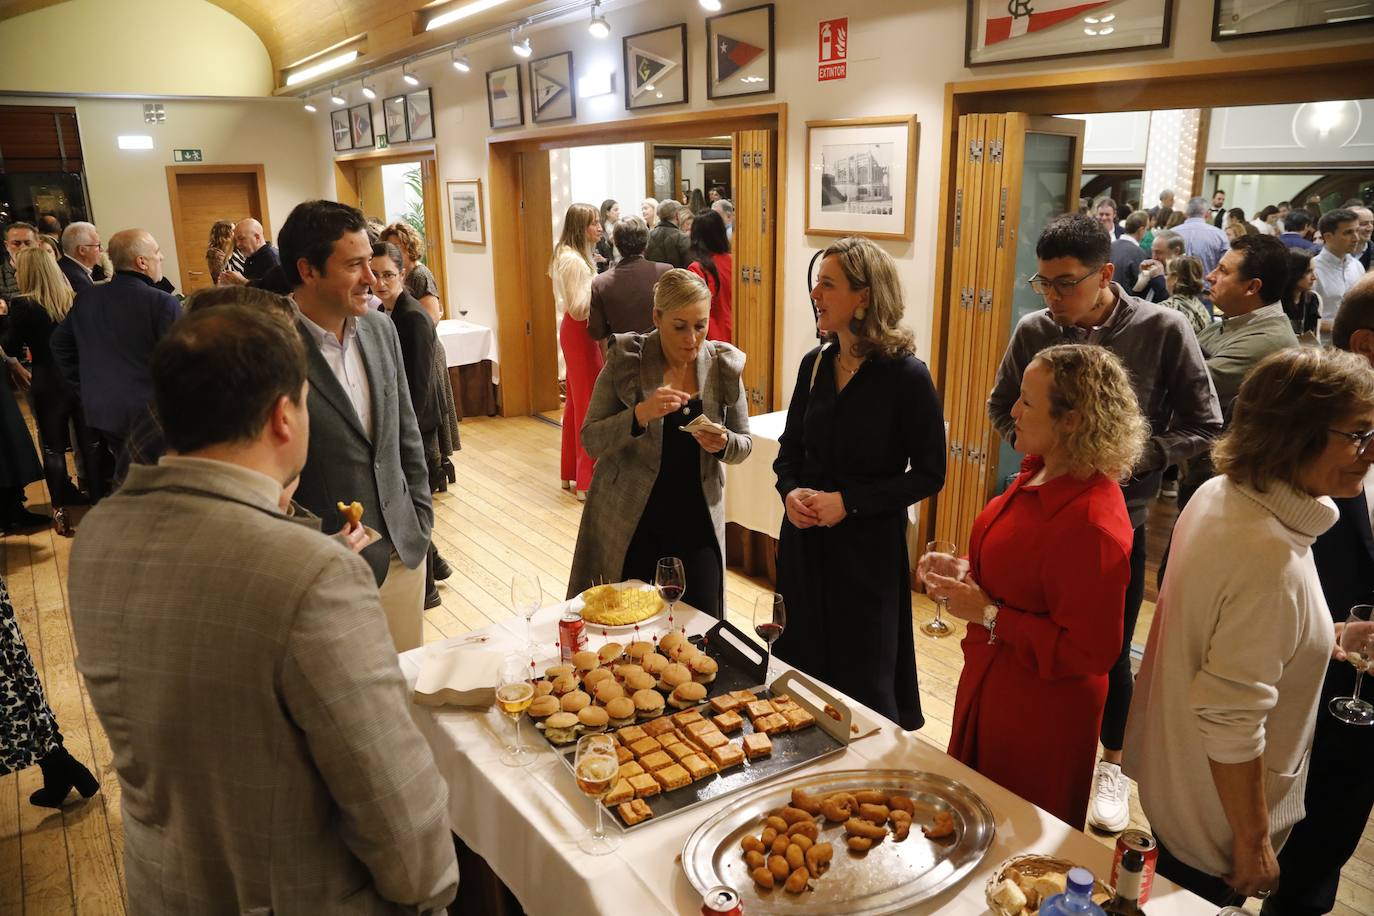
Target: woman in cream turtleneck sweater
(1228, 691)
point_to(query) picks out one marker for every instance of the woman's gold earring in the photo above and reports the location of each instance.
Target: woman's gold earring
(859, 313)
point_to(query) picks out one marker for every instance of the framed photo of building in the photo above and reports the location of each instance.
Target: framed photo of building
(419, 115)
(860, 177)
(739, 53)
(999, 32)
(394, 114)
(505, 86)
(656, 67)
(342, 130)
(553, 95)
(1239, 19)
(465, 223)
(360, 118)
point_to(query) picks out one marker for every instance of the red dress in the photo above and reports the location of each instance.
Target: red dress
(722, 323)
(1056, 557)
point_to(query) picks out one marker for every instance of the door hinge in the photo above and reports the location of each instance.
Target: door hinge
(985, 300)
(1002, 220)
(966, 298)
(958, 215)
(995, 150)
(975, 151)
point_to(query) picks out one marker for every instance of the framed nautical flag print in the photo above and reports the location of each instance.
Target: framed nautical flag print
(553, 97)
(1001, 31)
(419, 115)
(656, 67)
(739, 53)
(505, 85)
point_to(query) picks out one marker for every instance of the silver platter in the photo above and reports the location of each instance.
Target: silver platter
(890, 877)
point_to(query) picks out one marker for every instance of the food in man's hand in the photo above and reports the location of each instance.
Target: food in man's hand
(543, 707)
(561, 728)
(352, 512)
(757, 745)
(613, 606)
(634, 812)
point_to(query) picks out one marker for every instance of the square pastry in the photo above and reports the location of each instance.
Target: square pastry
(757, 745)
(630, 734)
(630, 769)
(686, 716)
(771, 725)
(725, 703)
(644, 785)
(621, 792)
(698, 766)
(680, 750)
(634, 812)
(759, 708)
(644, 746)
(655, 727)
(728, 721)
(624, 754)
(699, 727)
(672, 777)
(710, 739)
(798, 718)
(729, 754)
(744, 696)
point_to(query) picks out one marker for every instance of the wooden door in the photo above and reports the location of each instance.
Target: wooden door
(202, 195)
(541, 330)
(1015, 173)
(754, 179)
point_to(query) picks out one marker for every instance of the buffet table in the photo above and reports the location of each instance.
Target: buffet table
(753, 509)
(470, 354)
(525, 821)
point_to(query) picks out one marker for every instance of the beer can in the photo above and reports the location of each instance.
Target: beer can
(572, 636)
(721, 901)
(1144, 844)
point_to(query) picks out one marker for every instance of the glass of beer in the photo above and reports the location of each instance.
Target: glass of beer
(514, 694)
(595, 769)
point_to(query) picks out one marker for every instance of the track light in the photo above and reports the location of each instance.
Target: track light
(598, 27)
(410, 78)
(520, 46)
(368, 92)
(711, 6)
(461, 64)
(310, 108)
(336, 98)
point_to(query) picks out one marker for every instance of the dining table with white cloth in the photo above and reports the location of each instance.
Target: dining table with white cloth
(473, 369)
(751, 494)
(525, 821)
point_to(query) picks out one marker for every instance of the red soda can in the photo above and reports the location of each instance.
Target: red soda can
(572, 637)
(1144, 844)
(721, 901)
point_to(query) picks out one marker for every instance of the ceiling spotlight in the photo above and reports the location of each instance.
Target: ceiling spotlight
(310, 108)
(711, 6)
(520, 46)
(336, 98)
(461, 64)
(410, 78)
(598, 27)
(368, 92)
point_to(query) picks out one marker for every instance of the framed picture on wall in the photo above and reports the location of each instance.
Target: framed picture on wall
(465, 223)
(656, 67)
(1000, 32)
(860, 177)
(739, 56)
(553, 96)
(394, 110)
(665, 167)
(505, 86)
(1240, 19)
(419, 115)
(342, 130)
(360, 117)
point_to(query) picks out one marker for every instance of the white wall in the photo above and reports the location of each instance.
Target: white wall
(1251, 192)
(599, 173)
(1114, 139)
(1326, 132)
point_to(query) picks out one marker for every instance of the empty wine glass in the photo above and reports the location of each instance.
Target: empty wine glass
(671, 581)
(595, 768)
(514, 694)
(1357, 639)
(526, 597)
(941, 557)
(770, 619)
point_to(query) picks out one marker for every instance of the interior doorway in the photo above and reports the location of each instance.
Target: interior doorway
(201, 195)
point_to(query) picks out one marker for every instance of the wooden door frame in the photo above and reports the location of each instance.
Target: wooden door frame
(512, 293)
(346, 188)
(186, 248)
(1323, 74)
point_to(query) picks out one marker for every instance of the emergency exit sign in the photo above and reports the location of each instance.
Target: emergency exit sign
(832, 53)
(187, 155)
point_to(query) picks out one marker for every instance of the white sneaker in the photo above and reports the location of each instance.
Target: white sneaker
(1110, 808)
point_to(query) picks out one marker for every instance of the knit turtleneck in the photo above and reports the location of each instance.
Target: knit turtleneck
(1306, 516)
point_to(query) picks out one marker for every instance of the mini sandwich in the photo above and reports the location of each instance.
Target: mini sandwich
(621, 711)
(673, 677)
(564, 685)
(624, 672)
(636, 651)
(684, 654)
(543, 688)
(609, 652)
(575, 701)
(585, 661)
(648, 703)
(639, 680)
(607, 691)
(668, 643)
(593, 719)
(704, 669)
(543, 707)
(561, 728)
(596, 678)
(654, 664)
(688, 694)
(554, 672)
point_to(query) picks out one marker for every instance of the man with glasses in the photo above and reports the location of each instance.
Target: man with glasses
(1340, 781)
(18, 236)
(81, 250)
(1160, 350)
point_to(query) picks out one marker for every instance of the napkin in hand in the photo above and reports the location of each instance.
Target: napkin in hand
(701, 421)
(458, 676)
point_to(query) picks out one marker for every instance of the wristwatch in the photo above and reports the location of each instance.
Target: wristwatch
(990, 621)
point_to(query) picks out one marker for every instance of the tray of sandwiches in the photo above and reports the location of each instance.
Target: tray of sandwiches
(672, 763)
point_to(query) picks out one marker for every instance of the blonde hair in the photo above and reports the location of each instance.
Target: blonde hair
(407, 239)
(221, 247)
(574, 234)
(42, 281)
(1111, 433)
(652, 221)
(1286, 406)
(677, 289)
(866, 266)
(53, 246)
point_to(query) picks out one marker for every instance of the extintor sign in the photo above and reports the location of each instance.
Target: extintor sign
(832, 54)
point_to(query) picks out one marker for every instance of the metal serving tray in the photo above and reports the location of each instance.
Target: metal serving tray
(889, 877)
(791, 751)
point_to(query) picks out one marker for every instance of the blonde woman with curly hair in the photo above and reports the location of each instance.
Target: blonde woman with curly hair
(220, 254)
(864, 440)
(1042, 587)
(572, 268)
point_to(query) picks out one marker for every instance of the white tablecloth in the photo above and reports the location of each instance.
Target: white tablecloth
(750, 497)
(466, 343)
(525, 822)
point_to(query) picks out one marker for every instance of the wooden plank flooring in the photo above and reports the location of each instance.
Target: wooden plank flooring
(506, 515)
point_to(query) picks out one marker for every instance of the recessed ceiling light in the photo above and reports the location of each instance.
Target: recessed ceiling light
(135, 141)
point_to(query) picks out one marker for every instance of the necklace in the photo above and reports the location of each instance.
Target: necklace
(846, 369)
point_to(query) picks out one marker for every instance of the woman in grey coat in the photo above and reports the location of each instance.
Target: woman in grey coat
(658, 490)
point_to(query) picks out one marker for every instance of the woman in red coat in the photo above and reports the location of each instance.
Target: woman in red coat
(712, 262)
(1043, 585)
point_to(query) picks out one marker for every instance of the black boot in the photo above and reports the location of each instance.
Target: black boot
(61, 773)
(449, 470)
(441, 568)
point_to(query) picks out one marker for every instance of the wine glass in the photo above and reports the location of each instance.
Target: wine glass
(525, 597)
(514, 694)
(1357, 639)
(595, 768)
(941, 558)
(671, 581)
(770, 618)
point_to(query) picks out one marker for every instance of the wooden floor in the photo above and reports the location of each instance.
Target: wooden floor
(505, 515)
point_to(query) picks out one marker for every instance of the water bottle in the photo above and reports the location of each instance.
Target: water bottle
(1077, 900)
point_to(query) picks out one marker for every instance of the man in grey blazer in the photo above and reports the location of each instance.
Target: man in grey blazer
(239, 661)
(365, 444)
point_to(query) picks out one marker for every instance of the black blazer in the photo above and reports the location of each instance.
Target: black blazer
(1345, 558)
(76, 274)
(418, 342)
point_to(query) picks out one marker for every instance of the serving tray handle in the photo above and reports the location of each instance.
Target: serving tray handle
(807, 694)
